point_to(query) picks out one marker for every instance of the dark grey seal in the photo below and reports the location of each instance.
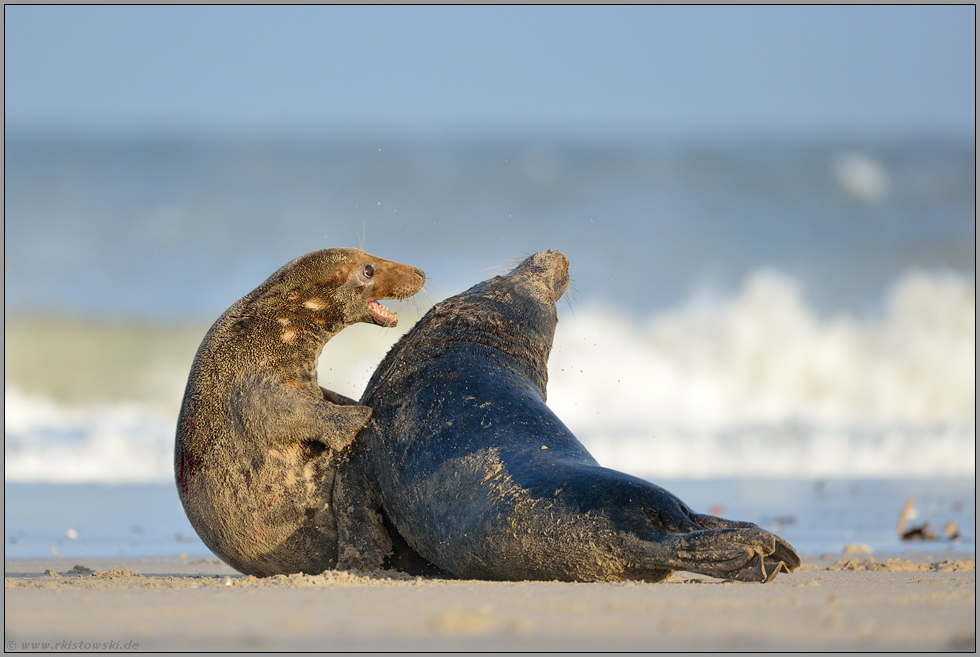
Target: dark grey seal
(257, 437)
(475, 473)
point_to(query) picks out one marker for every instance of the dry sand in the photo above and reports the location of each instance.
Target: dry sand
(922, 603)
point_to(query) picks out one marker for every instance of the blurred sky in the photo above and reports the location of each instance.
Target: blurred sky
(441, 71)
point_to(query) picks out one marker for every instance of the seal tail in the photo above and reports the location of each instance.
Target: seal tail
(745, 554)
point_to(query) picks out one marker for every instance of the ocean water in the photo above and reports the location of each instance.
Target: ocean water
(740, 311)
(820, 516)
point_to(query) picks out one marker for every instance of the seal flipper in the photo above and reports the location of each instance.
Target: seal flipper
(784, 551)
(363, 542)
(337, 398)
(281, 413)
(343, 424)
(745, 554)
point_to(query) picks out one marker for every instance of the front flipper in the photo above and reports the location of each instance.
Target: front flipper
(272, 413)
(337, 398)
(744, 554)
(342, 424)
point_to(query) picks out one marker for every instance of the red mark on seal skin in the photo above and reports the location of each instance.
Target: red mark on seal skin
(190, 425)
(183, 476)
(186, 472)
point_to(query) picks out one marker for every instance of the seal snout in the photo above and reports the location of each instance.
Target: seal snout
(546, 269)
(560, 275)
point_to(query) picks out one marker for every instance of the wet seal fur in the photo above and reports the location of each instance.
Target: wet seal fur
(257, 437)
(463, 458)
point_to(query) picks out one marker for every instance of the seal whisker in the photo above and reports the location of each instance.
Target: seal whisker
(415, 301)
(572, 295)
(435, 292)
(568, 302)
(400, 305)
(362, 238)
(508, 264)
(571, 307)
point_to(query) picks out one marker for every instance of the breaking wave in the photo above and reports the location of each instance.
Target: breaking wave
(760, 385)
(45, 441)
(756, 384)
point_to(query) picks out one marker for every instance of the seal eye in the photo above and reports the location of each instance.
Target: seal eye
(368, 271)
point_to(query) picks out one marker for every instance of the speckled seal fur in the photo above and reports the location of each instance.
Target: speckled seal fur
(257, 437)
(466, 462)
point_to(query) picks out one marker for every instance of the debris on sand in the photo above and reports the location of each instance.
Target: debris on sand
(79, 570)
(921, 533)
(906, 512)
(898, 564)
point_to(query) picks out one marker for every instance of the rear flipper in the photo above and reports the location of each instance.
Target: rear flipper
(363, 541)
(746, 554)
(784, 551)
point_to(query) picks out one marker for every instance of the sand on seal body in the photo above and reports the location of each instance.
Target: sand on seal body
(463, 458)
(257, 436)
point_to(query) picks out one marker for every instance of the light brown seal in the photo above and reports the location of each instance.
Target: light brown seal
(464, 459)
(257, 436)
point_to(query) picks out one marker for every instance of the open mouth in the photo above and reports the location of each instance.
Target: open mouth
(382, 315)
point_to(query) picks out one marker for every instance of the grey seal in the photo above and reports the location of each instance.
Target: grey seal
(257, 437)
(466, 462)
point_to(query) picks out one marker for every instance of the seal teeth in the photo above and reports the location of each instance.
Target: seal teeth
(381, 313)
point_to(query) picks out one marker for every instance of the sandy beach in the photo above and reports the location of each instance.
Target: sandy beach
(921, 602)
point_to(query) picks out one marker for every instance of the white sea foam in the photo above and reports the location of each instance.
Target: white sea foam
(122, 443)
(757, 384)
